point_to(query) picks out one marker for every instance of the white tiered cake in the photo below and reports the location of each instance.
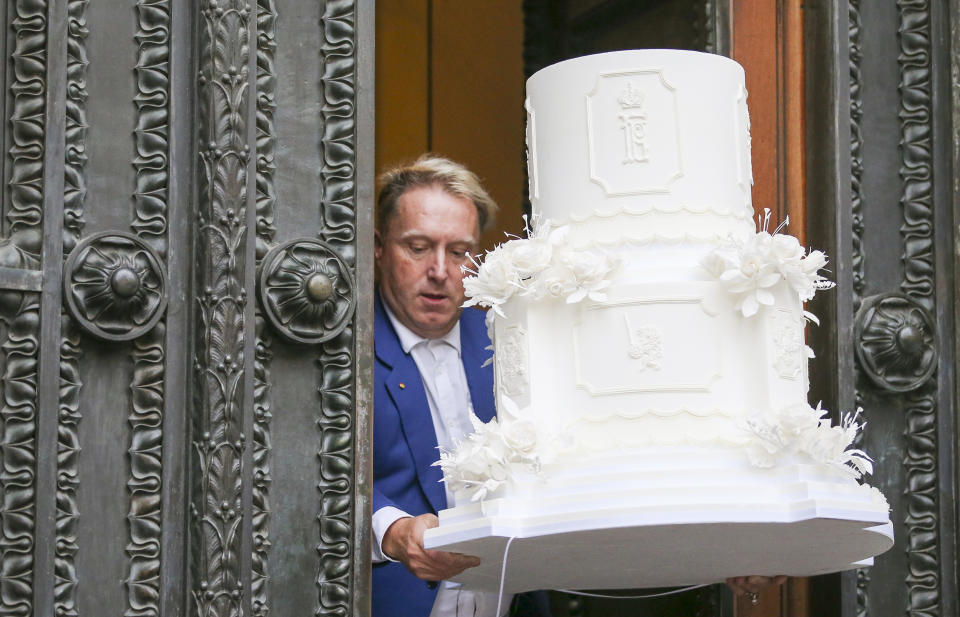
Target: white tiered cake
(649, 357)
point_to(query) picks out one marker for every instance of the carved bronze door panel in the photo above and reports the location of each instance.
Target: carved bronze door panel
(882, 138)
(185, 299)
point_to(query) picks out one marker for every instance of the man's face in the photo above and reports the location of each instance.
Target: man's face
(419, 256)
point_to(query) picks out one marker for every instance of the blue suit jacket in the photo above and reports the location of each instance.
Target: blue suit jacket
(405, 446)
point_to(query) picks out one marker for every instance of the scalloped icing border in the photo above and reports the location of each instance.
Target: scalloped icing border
(744, 214)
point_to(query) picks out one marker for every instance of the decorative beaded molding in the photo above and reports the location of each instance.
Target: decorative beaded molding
(263, 354)
(71, 352)
(153, 122)
(20, 313)
(150, 214)
(856, 149)
(29, 91)
(856, 207)
(68, 471)
(338, 208)
(75, 149)
(916, 171)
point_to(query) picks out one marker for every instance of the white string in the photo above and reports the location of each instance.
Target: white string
(651, 595)
(503, 574)
(503, 577)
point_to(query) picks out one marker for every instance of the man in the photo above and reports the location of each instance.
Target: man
(428, 377)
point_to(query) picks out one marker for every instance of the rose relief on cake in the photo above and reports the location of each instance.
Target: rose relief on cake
(648, 326)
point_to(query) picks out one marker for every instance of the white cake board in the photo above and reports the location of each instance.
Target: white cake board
(660, 555)
(654, 521)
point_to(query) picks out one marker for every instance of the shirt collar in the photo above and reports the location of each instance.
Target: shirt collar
(409, 339)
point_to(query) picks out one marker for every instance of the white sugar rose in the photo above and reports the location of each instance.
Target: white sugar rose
(521, 437)
(586, 265)
(494, 283)
(762, 453)
(796, 419)
(531, 256)
(472, 464)
(785, 249)
(557, 282)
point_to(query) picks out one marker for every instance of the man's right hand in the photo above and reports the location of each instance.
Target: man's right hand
(403, 541)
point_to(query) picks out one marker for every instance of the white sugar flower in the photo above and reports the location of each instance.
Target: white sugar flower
(521, 437)
(539, 266)
(837, 447)
(806, 430)
(557, 281)
(796, 420)
(749, 268)
(487, 458)
(530, 256)
(785, 249)
(592, 272)
(494, 282)
(750, 278)
(765, 445)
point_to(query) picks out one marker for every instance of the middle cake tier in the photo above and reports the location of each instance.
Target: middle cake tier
(665, 358)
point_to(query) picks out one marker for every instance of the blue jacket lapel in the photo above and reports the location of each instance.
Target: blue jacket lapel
(412, 407)
(474, 352)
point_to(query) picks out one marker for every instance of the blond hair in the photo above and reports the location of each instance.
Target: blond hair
(432, 170)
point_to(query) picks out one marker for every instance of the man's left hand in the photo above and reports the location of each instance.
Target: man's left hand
(753, 585)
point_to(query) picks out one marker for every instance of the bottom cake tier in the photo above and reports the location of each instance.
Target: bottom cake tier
(663, 517)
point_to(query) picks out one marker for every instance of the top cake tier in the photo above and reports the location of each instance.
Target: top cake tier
(641, 145)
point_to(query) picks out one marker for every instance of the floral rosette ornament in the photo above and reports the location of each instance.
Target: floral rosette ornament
(540, 266)
(807, 430)
(749, 268)
(490, 456)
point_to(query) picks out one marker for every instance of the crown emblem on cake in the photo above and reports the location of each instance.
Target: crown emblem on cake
(631, 98)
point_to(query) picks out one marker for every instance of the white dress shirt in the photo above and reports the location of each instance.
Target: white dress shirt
(445, 381)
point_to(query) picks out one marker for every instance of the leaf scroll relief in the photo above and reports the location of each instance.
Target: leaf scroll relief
(24, 213)
(335, 485)
(915, 364)
(19, 311)
(263, 353)
(20, 315)
(338, 90)
(115, 286)
(338, 209)
(306, 291)
(220, 236)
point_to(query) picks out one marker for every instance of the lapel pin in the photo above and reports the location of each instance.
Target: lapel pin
(402, 386)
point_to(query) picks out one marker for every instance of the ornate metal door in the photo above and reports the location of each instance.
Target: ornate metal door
(185, 299)
(882, 139)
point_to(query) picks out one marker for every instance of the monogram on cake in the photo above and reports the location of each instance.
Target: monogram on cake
(649, 357)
